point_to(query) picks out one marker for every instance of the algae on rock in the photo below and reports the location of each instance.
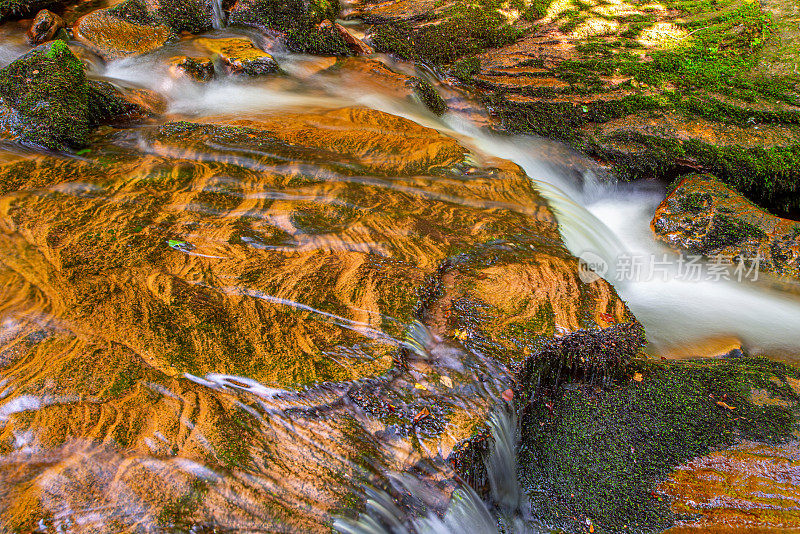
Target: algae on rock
(45, 98)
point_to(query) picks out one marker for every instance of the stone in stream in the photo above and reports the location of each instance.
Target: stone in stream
(653, 441)
(240, 56)
(651, 89)
(369, 75)
(200, 69)
(115, 34)
(704, 216)
(44, 27)
(230, 313)
(46, 100)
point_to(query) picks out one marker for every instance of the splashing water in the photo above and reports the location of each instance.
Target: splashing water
(466, 508)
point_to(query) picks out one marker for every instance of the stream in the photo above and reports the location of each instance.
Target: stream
(190, 333)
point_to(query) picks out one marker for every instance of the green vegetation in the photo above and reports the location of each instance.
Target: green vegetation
(16, 9)
(726, 231)
(599, 455)
(49, 74)
(461, 30)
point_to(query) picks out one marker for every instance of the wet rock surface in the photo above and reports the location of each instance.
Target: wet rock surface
(240, 56)
(704, 216)
(748, 487)
(278, 297)
(114, 36)
(44, 27)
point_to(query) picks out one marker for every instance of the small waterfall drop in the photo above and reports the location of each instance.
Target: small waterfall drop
(217, 15)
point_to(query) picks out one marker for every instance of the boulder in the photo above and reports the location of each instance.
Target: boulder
(704, 216)
(199, 69)
(44, 28)
(372, 75)
(46, 100)
(240, 56)
(112, 34)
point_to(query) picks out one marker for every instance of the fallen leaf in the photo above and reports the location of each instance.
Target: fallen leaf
(607, 317)
(447, 382)
(421, 386)
(638, 377)
(422, 415)
(508, 395)
(725, 405)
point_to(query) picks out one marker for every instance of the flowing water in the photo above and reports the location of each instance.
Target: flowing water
(200, 324)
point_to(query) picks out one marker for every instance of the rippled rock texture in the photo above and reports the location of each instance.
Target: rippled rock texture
(748, 487)
(703, 216)
(232, 323)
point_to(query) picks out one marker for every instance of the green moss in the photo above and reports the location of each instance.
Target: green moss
(465, 69)
(766, 175)
(428, 96)
(536, 10)
(461, 30)
(726, 231)
(321, 41)
(600, 455)
(694, 202)
(297, 16)
(47, 90)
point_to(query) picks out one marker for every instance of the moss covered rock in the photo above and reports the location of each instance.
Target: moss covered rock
(704, 216)
(596, 457)
(654, 89)
(438, 33)
(46, 98)
(240, 56)
(299, 22)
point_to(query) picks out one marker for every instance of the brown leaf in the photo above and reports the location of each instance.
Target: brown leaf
(725, 405)
(422, 415)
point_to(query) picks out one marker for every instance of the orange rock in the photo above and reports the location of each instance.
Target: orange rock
(114, 38)
(44, 27)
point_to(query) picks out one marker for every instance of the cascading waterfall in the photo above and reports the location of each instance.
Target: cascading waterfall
(217, 15)
(466, 509)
